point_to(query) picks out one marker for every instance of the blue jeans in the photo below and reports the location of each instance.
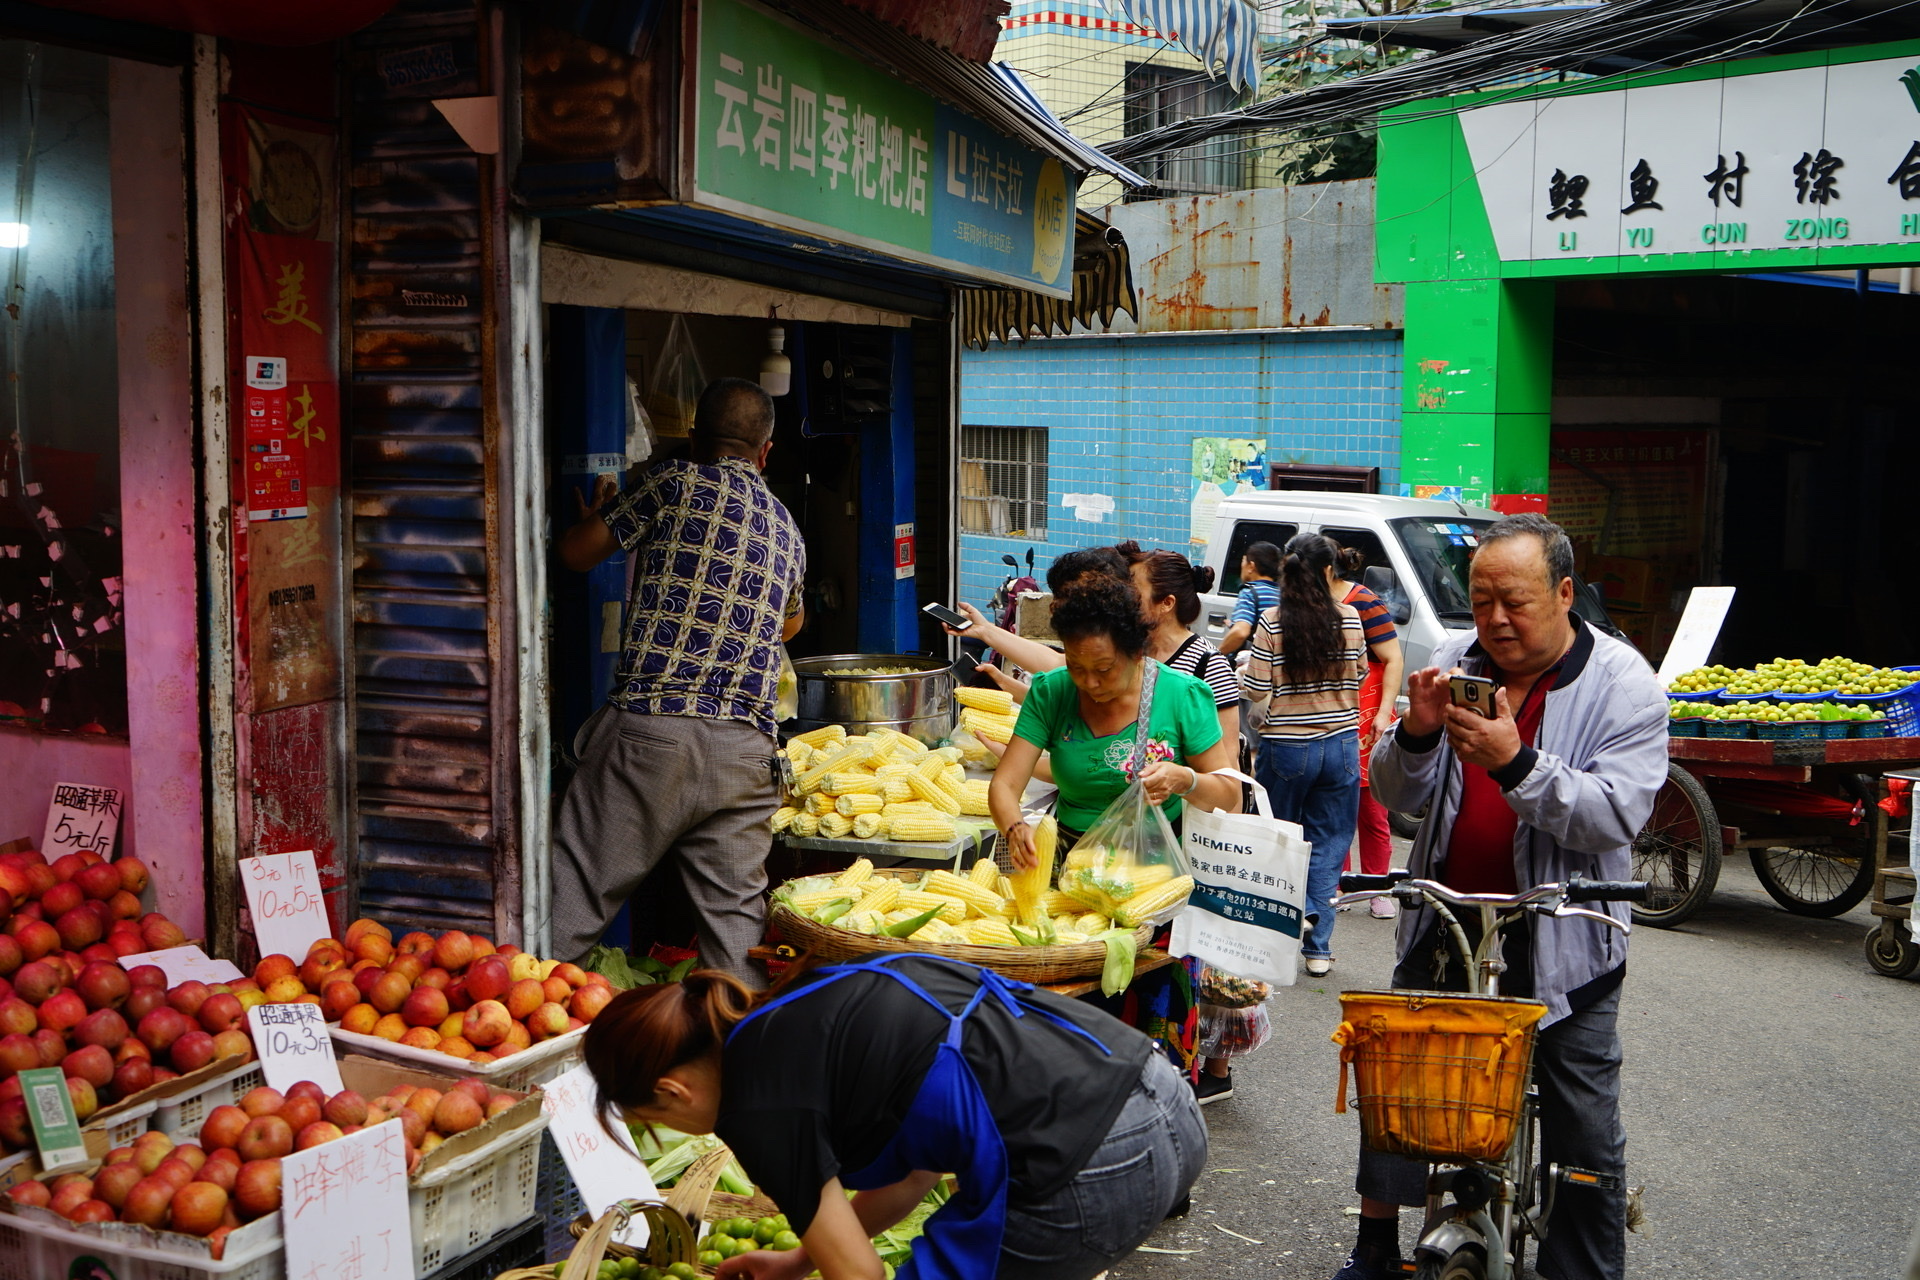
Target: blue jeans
(1316, 783)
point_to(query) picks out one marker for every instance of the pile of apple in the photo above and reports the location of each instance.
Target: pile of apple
(456, 994)
(111, 1032)
(79, 904)
(232, 1175)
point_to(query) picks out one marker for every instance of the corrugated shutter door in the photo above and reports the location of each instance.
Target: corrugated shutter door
(426, 817)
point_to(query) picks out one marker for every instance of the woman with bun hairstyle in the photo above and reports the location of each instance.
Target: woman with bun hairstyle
(1070, 1139)
(1169, 586)
(1303, 678)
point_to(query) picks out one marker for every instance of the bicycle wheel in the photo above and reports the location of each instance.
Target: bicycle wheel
(1677, 853)
(1817, 881)
(1405, 825)
(1889, 952)
(1464, 1265)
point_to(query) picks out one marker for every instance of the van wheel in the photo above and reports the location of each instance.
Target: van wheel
(1405, 825)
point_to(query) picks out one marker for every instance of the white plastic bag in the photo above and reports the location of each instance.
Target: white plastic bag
(1249, 892)
(677, 383)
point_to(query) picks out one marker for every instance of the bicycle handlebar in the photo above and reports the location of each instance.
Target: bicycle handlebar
(1354, 882)
(1579, 890)
(1543, 897)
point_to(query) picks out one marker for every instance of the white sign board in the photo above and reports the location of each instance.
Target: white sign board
(283, 894)
(605, 1169)
(1699, 628)
(81, 819)
(293, 1045)
(1817, 157)
(344, 1207)
(184, 964)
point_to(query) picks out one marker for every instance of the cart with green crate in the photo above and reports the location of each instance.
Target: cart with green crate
(1787, 760)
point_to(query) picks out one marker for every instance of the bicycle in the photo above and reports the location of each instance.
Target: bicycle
(1453, 1082)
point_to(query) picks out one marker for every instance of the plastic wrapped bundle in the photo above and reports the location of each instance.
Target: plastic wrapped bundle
(1233, 1033)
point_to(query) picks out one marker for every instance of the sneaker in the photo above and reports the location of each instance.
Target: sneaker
(1319, 966)
(1369, 1263)
(1383, 908)
(1213, 1088)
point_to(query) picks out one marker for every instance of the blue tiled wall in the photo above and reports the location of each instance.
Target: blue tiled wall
(1122, 414)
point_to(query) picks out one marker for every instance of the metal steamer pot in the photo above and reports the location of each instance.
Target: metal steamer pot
(912, 694)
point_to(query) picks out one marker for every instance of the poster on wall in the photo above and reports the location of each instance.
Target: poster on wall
(276, 473)
(1222, 468)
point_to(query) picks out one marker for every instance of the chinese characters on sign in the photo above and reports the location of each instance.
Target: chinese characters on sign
(293, 1045)
(344, 1208)
(605, 1169)
(283, 895)
(81, 819)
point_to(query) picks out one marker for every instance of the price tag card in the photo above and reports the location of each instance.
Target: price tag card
(343, 1206)
(605, 1169)
(56, 1129)
(283, 893)
(293, 1045)
(182, 964)
(81, 819)
(1699, 627)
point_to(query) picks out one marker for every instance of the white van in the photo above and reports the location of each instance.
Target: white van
(1416, 549)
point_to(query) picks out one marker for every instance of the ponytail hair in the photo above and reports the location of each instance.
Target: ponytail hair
(1349, 563)
(646, 1032)
(1309, 620)
(1266, 559)
(1171, 574)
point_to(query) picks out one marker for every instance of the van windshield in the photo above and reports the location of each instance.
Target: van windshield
(1438, 550)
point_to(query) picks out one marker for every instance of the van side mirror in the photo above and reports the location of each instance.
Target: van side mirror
(1383, 582)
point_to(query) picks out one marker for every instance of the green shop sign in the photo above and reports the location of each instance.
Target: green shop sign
(1797, 162)
(795, 133)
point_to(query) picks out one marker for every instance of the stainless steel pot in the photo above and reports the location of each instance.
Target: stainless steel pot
(909, 693)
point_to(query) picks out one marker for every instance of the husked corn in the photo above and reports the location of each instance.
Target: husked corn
(835, 825)
(833, 733)
(913, 902)
(813, 899)
(1068, 937)
(804, 825)
(868, 825)
(783, 818)
(797, 754)
(881, 894)
(1091, 923)
(979, 901)
(973, 798)
(853, 805)
(982, 725)
(1003, 885)
(843, 760)
(859, 873)
(1144, 906)
(921, 827)
(951, 755)
(909, 808)
(1056, 903)
(851, 784)
(997, 701)
(955, 776)
(983, 873)
(819, 804)
(860, 922)
(895, 790)
(991, 933)
(935, 794)
(911, 748)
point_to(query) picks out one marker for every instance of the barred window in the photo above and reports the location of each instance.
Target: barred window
(1003, 480)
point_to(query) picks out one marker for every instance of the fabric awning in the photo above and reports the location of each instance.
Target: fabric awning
(1102, 286)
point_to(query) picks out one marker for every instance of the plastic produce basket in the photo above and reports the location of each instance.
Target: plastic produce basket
(458, 1208)
(1804, 697)
(522, 1247)
(35, 1245)
(1780, 730)
(1726, 729)
(1724, 697)
(518, 1072)
(1703, 695)
(559, 1198)
(1832, 728)
(1686, 727)
(1868, 729)
(1901, 707)
(180, 1117)
(1440, 1077)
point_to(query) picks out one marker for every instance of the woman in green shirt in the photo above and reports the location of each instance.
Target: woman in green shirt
(1084, 715)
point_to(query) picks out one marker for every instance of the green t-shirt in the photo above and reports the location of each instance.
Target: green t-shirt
(1091, 772)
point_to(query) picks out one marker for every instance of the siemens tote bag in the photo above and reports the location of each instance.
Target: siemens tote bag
(1249, 891)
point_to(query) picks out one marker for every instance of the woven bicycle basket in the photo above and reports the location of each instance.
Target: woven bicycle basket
(1439, 1076)
(1029, 964)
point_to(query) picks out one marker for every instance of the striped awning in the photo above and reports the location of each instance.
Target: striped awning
(1221, 33)
(1102, 286)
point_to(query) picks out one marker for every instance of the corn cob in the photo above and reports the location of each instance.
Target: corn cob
(1067, 920)
(997, 701)
(797, 754)
(955, 776)
(913, 902)
(813, 899)
(804, 825)
(917, 826)
(857, 752)
(1003, 886)
(983, 873)
(895, 788)
(868, 825)
(1030, 887)
(980, 901)
(1068, 937)
(991, 933)
(1056, 903)
(885, 748)
(973, 798)
(783, 818)
(835, 825)
(910, 808)
(815, 738)
(925, 788)
(859, 873)
(860, 922)
(911, 748)
(853, 806)
(982, 725)
(851, 783)
(937, 930)
(1143, 907)
(819, 804)
(881, 894)
(1091, 923)
(951, 755)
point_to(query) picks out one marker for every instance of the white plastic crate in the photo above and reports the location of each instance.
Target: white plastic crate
(34, 1245)
(181, 1116)
(459, 1207)
(129, 1124)
(523, 1070)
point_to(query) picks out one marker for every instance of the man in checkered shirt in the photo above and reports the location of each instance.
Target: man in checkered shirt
(681, 760)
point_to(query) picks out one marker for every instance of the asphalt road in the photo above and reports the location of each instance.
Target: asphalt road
(1772, 1102)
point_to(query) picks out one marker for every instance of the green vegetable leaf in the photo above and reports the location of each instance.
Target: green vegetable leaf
(616, 967)
(1118, 970)
(682, 969)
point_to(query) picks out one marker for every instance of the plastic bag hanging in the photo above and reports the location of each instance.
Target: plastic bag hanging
(677, 383)
(1129, 865)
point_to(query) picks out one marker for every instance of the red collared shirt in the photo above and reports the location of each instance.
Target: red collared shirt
(1480, 853)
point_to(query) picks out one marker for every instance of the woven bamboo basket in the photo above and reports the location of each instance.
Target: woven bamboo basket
(1029, 964)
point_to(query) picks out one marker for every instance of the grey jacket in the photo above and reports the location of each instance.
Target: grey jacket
(1582, 792)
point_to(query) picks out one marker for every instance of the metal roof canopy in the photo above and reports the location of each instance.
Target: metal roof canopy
(1831, 24)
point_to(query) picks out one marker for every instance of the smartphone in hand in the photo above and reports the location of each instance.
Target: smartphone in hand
(1475, 693)
(952, 617)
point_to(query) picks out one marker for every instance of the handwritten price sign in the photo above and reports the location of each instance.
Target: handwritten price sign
(283, 892)
(293, 1045)
(605, 1169)
(344, 1206)
(81, 819)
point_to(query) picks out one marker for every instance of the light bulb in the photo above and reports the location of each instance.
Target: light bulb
(13, 235)
(776, 371)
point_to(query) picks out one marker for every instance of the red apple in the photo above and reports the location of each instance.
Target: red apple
(86, 1100)
(299, 1111)
(142, 1001)
(148, 1202)
(222, 1168)
(60, 899)
(133, 874)
(424, 1007)
(103, 1027)
(159, 1029)
(100, 881)
(589, 1000)
(191, 1051)
(547, 1021)
(314, 1134)
(16, 1131)
(188, 997)
(52, 1045)
(63, 1010)
(263, 1100)
(131, 1076)
(11, 957)
(148, 975)
(222, 1011)
(233, 1044)
(160, 933)
(198, 1207)
(113, 1182)
(18, 1053)
(223, 1127)
(453, 951)
(338, 996)
(37, 980)
(265, 1138)
(90, 1063)
(256, 1187)
(346, 1108)
(488, 978)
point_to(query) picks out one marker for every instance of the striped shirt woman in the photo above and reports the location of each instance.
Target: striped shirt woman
(1310, 709)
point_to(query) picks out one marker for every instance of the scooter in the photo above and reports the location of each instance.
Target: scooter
(1003, 608)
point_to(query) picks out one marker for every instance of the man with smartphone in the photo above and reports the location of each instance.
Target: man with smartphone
(1536, 745)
